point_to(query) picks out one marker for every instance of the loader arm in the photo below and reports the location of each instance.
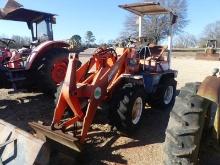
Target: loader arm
(90, 85)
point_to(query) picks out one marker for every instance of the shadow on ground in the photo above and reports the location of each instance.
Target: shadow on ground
(22, 110)
(209, 151)
(103, 145)
(107, 149)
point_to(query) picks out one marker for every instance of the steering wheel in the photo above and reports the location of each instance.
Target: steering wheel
(7, 41)
(100, 52)
(131, 42)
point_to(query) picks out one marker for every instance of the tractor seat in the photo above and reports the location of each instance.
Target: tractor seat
(155, 61)
(153, 51)
(157, 52)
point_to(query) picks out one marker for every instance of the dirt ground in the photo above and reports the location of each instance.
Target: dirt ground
(104, 146)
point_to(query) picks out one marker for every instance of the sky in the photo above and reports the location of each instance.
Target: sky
(103, 17)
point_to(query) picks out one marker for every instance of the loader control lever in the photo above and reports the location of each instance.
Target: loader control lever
(102, 53)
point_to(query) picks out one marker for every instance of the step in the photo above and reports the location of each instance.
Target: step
(17, 70)
(17, 79)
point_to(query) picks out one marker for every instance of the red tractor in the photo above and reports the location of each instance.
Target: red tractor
(43, 63)
(5, 53)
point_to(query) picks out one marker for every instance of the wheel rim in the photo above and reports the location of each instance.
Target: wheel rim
(58, 71)
(168, 95)
(137, 110)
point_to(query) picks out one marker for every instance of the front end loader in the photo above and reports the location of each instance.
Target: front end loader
(20, 147)
(121, 81)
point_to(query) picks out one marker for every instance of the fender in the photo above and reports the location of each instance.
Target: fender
(43, 48)
(210, 89)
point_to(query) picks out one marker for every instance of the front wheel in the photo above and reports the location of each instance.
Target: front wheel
(127, 107)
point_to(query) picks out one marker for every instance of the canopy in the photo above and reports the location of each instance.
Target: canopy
(15, 12)
(146, 8)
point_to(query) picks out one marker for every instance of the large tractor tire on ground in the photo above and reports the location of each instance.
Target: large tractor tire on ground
(165, 94)
(126, 109)
(51, 69)
(185, 127)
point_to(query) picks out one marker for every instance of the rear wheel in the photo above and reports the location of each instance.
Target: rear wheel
(165, 94)
(126, 108)
(185, 127)
(51, 69)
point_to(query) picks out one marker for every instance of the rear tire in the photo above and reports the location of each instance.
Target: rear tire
(164, 96)
(127, 107)
(185, 127)
(47, 77)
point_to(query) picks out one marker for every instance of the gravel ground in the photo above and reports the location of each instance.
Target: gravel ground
(104, 146)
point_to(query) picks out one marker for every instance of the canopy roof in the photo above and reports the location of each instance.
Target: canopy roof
(15, 12)
(146, 8)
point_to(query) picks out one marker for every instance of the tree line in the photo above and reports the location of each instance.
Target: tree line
(210, 32)
(77, 44)
(20, 41)
(155, 29)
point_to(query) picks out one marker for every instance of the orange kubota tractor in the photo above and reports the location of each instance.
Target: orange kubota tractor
(123, 79)
(43, 63)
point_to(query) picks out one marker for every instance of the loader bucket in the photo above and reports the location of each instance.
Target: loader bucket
(58, 136)
(20, 147)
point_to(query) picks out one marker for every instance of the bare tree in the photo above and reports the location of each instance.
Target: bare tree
(185, 40)
(155, 28)
(211, 32)
(20, 41)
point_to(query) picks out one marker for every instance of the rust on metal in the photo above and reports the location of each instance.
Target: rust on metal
(209, 89)
(57, 135)
(145, 8)
(217, 124)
